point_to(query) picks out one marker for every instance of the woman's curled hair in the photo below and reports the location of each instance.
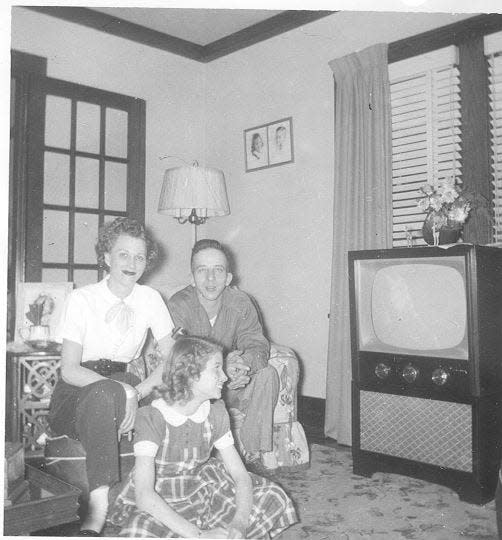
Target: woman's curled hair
(109, 233)
(184, 364)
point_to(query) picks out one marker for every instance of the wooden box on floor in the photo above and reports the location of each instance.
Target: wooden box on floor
(51, 502)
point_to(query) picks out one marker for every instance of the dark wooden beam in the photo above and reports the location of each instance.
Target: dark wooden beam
(476, 173)
(451, 34)
(34, 186)
(124, 29)
(22, 62)
(103, 22)
(278, 24)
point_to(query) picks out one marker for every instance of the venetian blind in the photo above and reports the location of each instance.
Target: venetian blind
(426, 133)
(493, 52)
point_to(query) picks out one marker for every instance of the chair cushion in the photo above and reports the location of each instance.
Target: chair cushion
(291, 450)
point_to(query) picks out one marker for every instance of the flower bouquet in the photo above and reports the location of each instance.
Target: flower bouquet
(447, 206)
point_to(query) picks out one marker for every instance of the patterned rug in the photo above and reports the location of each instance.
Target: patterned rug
(335, 504)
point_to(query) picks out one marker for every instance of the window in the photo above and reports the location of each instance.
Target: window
(426, 133)
(493, 51)
(466, 122)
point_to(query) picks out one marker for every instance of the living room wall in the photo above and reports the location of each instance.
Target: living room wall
(172, 87)
(281, 222)
(280, 228)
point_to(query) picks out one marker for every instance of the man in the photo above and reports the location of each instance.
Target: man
(210, 308)
(280, 151)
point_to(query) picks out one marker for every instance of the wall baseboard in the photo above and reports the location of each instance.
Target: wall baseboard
(311, 413)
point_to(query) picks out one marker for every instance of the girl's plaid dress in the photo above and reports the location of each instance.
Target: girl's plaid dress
(194, 484)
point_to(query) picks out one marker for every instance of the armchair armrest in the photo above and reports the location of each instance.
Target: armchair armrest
(285, 361)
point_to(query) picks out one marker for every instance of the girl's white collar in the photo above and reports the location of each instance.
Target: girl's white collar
(177, 419)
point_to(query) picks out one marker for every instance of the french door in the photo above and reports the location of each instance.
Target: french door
(85, 166)
(77, 160)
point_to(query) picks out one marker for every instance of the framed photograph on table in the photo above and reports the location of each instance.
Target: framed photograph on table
(256, 148)
(40, 304)
(280, 142)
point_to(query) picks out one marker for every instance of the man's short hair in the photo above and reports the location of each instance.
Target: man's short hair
(208, 243)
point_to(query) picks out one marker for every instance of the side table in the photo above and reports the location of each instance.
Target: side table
(49, 502)
(30, 380)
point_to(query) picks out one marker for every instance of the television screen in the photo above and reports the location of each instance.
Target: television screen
(413, 306)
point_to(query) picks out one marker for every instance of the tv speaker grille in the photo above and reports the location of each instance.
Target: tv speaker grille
(424, 430)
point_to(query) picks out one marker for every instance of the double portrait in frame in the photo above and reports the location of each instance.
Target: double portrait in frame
(269, 145)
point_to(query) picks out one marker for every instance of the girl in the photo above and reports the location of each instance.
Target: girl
(176, 488)
(103, 328)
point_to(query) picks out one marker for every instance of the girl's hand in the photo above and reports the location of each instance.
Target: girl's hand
(130, 410)
(234, 531)
(217, 532)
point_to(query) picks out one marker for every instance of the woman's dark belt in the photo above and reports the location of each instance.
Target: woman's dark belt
(105, 366)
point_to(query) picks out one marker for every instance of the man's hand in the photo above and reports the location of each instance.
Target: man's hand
(239, 382)
(236, 370)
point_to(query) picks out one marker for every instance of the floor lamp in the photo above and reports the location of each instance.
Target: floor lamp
(192, 194)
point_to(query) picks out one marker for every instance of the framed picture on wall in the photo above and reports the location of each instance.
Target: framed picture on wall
(269, 145)
(39, 304)
(280, 142)
(256, 148)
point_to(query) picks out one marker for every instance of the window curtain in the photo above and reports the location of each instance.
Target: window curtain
(362, 214)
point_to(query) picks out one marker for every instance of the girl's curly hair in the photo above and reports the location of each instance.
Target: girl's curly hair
(186, 361)
(109, 233)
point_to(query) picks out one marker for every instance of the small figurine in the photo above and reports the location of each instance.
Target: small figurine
(435, 235)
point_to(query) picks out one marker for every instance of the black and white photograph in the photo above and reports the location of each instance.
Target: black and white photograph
(256, 148)
(39, 310)
(252, 269)
(280, 142)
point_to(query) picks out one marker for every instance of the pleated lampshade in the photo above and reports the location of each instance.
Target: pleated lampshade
(190, 188)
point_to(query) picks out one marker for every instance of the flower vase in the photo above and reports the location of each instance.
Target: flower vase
(446, 234)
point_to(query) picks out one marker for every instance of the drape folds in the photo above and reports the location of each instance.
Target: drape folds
(362, 217)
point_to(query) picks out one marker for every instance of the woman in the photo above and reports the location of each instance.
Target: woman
(103, 328)
(177, 488)
(256, 146)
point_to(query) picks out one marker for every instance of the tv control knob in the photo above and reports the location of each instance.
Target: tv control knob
(382, 371)
(440, 376)
(410, 373)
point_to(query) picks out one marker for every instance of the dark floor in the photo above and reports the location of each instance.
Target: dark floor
(314, 434)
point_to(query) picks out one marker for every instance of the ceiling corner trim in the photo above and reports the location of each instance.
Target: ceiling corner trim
(103, 22)
(121, 28)
(271, 27)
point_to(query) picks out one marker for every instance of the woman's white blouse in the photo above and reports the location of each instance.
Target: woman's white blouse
(106, 328)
